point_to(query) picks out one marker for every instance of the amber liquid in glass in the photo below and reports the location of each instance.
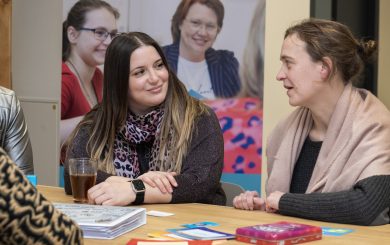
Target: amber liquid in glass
(81, 183)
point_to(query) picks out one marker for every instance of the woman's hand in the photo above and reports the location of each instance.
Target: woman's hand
(162, 180)
(113, 179)
(249, 200)
(273, 201)
(117, 193)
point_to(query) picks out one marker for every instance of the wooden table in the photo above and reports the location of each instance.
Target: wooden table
(228, 219)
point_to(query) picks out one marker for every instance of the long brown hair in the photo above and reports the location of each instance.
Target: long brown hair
(325, 38)
(105, 119)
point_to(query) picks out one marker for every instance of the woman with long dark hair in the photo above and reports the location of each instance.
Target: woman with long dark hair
(148, 131)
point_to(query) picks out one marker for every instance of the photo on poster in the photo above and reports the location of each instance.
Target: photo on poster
(216, 48)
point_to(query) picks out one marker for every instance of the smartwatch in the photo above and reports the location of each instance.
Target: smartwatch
(139, 189)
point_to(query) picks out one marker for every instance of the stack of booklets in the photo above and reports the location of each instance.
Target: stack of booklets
(104, 222)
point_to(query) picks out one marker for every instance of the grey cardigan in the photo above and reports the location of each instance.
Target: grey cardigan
(14, 137)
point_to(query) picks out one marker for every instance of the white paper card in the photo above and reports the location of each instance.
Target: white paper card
(158, 213)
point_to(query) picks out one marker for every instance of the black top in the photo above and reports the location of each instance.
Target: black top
(144, 152)
(305, 165)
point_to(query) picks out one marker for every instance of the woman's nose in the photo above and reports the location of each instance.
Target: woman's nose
(153, 77)
(108, 40)
(280, 76)
(202, 30)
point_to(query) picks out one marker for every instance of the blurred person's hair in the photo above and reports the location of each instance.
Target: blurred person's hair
(252, 67)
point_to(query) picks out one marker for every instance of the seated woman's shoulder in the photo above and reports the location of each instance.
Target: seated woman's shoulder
(208, 119)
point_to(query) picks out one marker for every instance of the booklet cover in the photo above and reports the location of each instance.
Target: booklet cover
(104, 222)
(165, 235)
(278, 233)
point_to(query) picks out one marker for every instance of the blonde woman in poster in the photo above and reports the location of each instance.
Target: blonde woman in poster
(206, 72)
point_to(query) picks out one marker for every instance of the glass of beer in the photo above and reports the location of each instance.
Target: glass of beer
(82, 173)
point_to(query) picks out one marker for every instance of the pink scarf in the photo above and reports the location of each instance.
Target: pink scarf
(356, 144)
(137, 130)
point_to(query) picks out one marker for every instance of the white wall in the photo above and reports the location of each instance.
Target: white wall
(36, 71)
(280, 14)
(384, 53)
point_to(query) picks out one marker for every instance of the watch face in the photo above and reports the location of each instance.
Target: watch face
(138, 185)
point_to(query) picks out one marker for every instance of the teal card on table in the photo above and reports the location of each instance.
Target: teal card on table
(32, 179)
(328, 231)
(200, 224)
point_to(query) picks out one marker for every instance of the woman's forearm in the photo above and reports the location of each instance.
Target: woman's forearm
(67, 126)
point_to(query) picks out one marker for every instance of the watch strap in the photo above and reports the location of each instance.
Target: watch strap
(139, 189)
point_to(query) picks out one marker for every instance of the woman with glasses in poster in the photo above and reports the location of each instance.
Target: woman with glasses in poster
(206, 72)
(87, 31)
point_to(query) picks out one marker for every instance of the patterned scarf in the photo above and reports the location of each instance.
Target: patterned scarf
(137, 130)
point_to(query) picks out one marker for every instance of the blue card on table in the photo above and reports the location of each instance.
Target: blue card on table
(200, 224)
(32, 179)
(328, 231)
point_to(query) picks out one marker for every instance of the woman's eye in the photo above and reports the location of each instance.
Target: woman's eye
(195, 23)
(139, 73)
(159, 65)
(100, 33)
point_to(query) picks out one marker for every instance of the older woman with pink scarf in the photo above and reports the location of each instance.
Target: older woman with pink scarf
(328, 160)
